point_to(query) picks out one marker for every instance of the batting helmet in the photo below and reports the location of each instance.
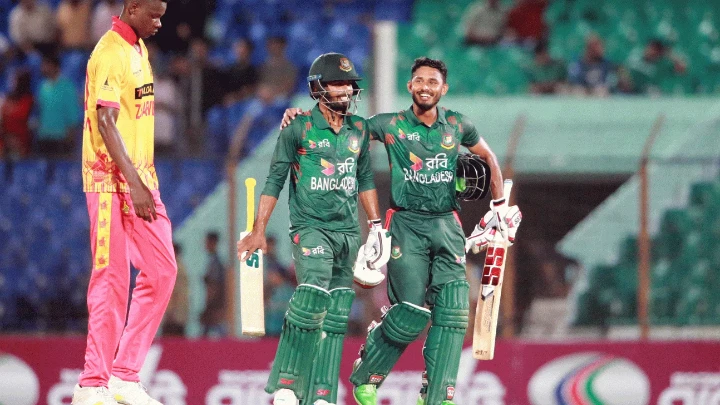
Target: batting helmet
(472, 177)
(330, 67)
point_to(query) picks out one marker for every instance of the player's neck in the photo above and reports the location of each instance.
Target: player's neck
(427, 117)
(334, 119)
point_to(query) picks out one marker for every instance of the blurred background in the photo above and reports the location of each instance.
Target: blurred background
(605, 113)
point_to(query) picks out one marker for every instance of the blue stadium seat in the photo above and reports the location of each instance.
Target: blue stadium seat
(3, 173)
(217, 131)
(165, 170)
(30, 174)
(201, 175)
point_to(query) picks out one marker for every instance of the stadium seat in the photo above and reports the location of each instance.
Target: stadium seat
(30, 174)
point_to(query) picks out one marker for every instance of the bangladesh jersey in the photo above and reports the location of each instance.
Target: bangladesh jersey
(328, 171)
(423, 159)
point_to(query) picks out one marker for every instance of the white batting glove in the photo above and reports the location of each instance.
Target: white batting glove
(487, 228)
(500, 209)
(377, 247)
(480, 237)
(362, 275)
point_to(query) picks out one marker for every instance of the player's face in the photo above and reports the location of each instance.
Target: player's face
(146, 16)
(339, 94)
(427, 87)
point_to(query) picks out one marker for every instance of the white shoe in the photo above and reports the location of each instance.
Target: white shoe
(285, 396)
(322, 402)
(130, 393)
(92, 396)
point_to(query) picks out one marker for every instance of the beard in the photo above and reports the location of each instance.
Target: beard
(425, 105)
(338, 106)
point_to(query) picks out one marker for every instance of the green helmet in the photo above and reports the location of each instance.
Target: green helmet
(332, 66)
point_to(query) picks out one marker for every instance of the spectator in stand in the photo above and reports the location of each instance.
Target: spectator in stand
(258, 121)
(32, 26)
(526, 22)
(182, 22)
(546, 75)
(59, 111)
(278, 290)
(593, 74)
(213, 317)
(15, 137)
(73, 21)
(484, 22)
(102, 17)
(651, 73)
(176, 314)
(206, 77)
(166, 109)
(278, 70)
(242, 75)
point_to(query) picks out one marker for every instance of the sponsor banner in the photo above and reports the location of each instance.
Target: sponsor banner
(233, 372)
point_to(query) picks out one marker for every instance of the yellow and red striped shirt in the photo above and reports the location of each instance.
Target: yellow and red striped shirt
(119, 76)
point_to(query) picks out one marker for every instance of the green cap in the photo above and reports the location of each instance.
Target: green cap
(330, 67)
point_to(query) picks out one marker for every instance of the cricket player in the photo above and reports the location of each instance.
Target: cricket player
(327, 153)
(128, 221)
(427, 260)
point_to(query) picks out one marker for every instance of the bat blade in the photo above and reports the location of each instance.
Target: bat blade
(488, 304)
(252, 308)
(252, 303)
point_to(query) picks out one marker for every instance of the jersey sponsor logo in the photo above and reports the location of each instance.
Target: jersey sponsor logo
(354, 144)
(439, 161)
(448, 141)
(313, 251)
(417, 162)
(395, 253)
(345, 65)
(106, 86)
(346, 166)
(445, 176)
(329, 167)
(330, 184)
(144, 109)
(144, 91)
(322, 144)
(401, 134)
(460, 259)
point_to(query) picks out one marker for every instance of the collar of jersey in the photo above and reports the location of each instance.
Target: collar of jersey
(319, 120)
(124, 30)
(415, 121)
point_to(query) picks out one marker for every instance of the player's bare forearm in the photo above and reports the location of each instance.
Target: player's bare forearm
(143, 201)
(256, 239)
(369, 201)
(483, 150)
(107, 117)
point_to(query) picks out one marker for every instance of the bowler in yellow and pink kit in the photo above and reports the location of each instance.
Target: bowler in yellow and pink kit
(128, 221)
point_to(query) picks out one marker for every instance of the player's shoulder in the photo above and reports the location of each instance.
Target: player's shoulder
(357, 122)
(302, 122)
(384, 118)
(108, 47)
(455, 117)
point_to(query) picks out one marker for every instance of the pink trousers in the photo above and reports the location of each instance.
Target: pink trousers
(118, 341)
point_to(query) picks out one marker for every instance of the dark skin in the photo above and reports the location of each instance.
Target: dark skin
(143, 16)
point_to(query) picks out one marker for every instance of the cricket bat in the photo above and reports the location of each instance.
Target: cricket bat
(252, 307)
(488, 304)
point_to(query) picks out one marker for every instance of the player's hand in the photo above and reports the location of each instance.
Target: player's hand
(143, 202)
(362, 275)
(500, 209)
(290, 115)
(249, 244)
(481, 235)
(377, 247)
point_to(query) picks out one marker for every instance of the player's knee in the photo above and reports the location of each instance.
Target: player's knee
(338, 312)
(404, 321)
(308, 306)
(452, 305)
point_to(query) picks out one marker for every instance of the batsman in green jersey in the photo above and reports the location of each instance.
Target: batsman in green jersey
(327, 155)
(427, 260)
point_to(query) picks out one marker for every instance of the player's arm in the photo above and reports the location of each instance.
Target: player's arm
(501, 216)
(142, 198)
(283, 157)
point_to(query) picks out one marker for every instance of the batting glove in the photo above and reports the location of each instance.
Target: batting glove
(377, 247)
(362, 275)
(487, 228)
